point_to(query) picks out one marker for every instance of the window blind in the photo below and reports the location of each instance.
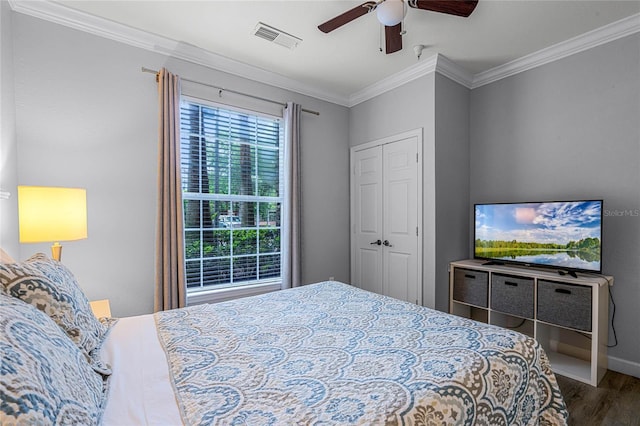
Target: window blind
(232, 185)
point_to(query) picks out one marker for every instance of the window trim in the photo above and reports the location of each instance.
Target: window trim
(240, 110)
(232, 292)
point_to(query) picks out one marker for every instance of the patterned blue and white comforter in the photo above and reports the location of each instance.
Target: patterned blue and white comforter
(330, 353)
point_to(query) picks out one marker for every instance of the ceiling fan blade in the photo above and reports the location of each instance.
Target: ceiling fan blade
(393, 38)
(451, 7)
(347, 16)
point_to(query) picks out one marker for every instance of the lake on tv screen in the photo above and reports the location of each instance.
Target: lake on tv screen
(570, 260)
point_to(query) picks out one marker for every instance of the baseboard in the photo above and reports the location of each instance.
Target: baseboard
(623, 366)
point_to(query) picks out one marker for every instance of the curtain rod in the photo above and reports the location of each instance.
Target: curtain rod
(222, 89)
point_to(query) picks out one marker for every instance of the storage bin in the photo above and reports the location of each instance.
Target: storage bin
(471, 286)
(568, 305)
(512, 295)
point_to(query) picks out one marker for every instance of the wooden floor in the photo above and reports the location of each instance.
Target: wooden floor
(615, 402)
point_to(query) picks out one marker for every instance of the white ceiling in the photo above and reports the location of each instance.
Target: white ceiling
(348, 59)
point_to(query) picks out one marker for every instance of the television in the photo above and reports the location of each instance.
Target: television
(565, 235)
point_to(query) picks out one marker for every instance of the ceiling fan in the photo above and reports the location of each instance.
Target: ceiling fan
(391, 13)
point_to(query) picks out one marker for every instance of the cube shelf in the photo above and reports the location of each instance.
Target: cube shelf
(568, 316)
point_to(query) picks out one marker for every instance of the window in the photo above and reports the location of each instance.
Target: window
(232, 176)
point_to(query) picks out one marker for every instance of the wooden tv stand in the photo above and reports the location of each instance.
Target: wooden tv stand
(568, 315)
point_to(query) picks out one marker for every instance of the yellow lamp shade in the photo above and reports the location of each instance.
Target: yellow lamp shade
(51, 214)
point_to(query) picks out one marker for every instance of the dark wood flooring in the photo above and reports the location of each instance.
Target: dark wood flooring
(615, 402)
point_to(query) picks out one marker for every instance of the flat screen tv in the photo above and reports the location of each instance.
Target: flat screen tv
(566, 235)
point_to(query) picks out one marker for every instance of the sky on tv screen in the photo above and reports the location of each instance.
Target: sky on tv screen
(558, 222)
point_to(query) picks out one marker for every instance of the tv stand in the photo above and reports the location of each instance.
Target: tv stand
(492, 262)
(567, 314)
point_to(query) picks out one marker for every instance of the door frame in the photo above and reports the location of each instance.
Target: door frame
(417, 133)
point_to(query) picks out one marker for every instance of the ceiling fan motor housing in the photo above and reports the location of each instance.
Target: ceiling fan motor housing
(391, 12)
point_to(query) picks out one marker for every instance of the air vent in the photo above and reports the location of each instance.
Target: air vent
(276, 36)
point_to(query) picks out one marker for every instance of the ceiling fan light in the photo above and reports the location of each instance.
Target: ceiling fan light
(391, 12)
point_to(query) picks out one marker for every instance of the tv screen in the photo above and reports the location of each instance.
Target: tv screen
(560, 234)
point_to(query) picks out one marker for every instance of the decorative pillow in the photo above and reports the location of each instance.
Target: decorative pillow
(49, 286)
(44, 377)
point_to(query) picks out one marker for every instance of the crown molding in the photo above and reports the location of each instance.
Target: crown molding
(436, 63)
(443, 65)
(597, 37)
(72, 18)
(82, 21)
(455, 72)
(426, 66)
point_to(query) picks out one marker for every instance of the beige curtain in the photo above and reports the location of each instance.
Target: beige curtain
(170, 290)
(292, 223)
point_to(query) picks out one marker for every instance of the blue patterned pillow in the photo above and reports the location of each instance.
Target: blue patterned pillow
(44, 377)
(49, 286)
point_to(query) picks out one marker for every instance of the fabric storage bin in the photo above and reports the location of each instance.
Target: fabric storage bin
(470, 286)
(512, 295)
(568, 305)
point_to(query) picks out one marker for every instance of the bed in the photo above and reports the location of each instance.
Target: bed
(326, 353)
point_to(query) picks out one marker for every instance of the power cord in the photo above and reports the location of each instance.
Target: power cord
(613, 317)
(517, 326)
(613, 313)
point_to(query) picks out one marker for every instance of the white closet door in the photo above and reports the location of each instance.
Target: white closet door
(366, 270)
(400, 220)
(386, 203)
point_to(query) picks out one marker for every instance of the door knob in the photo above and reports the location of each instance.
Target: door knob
(387, 243)
(377, 242)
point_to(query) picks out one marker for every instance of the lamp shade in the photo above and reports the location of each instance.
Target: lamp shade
(391, 12)
(51, 214)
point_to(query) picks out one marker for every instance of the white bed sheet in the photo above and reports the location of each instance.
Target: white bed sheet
(140, 391)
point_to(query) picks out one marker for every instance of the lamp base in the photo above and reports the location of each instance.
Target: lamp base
(56, 251)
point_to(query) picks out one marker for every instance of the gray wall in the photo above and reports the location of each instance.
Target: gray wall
(569, 130)
(408, 107)
(86, 116)
(440, 107)
(452, 180)
(8, 143)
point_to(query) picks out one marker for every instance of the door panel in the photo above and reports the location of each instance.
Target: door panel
(369, 210)
(369, 262)
(397, 271)
(400, 219)
(367, 170)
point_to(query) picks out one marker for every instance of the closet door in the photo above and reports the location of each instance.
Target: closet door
(366, 206)
(400, 220)
(386, 203)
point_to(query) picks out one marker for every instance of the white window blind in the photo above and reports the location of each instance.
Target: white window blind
(232, 185)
